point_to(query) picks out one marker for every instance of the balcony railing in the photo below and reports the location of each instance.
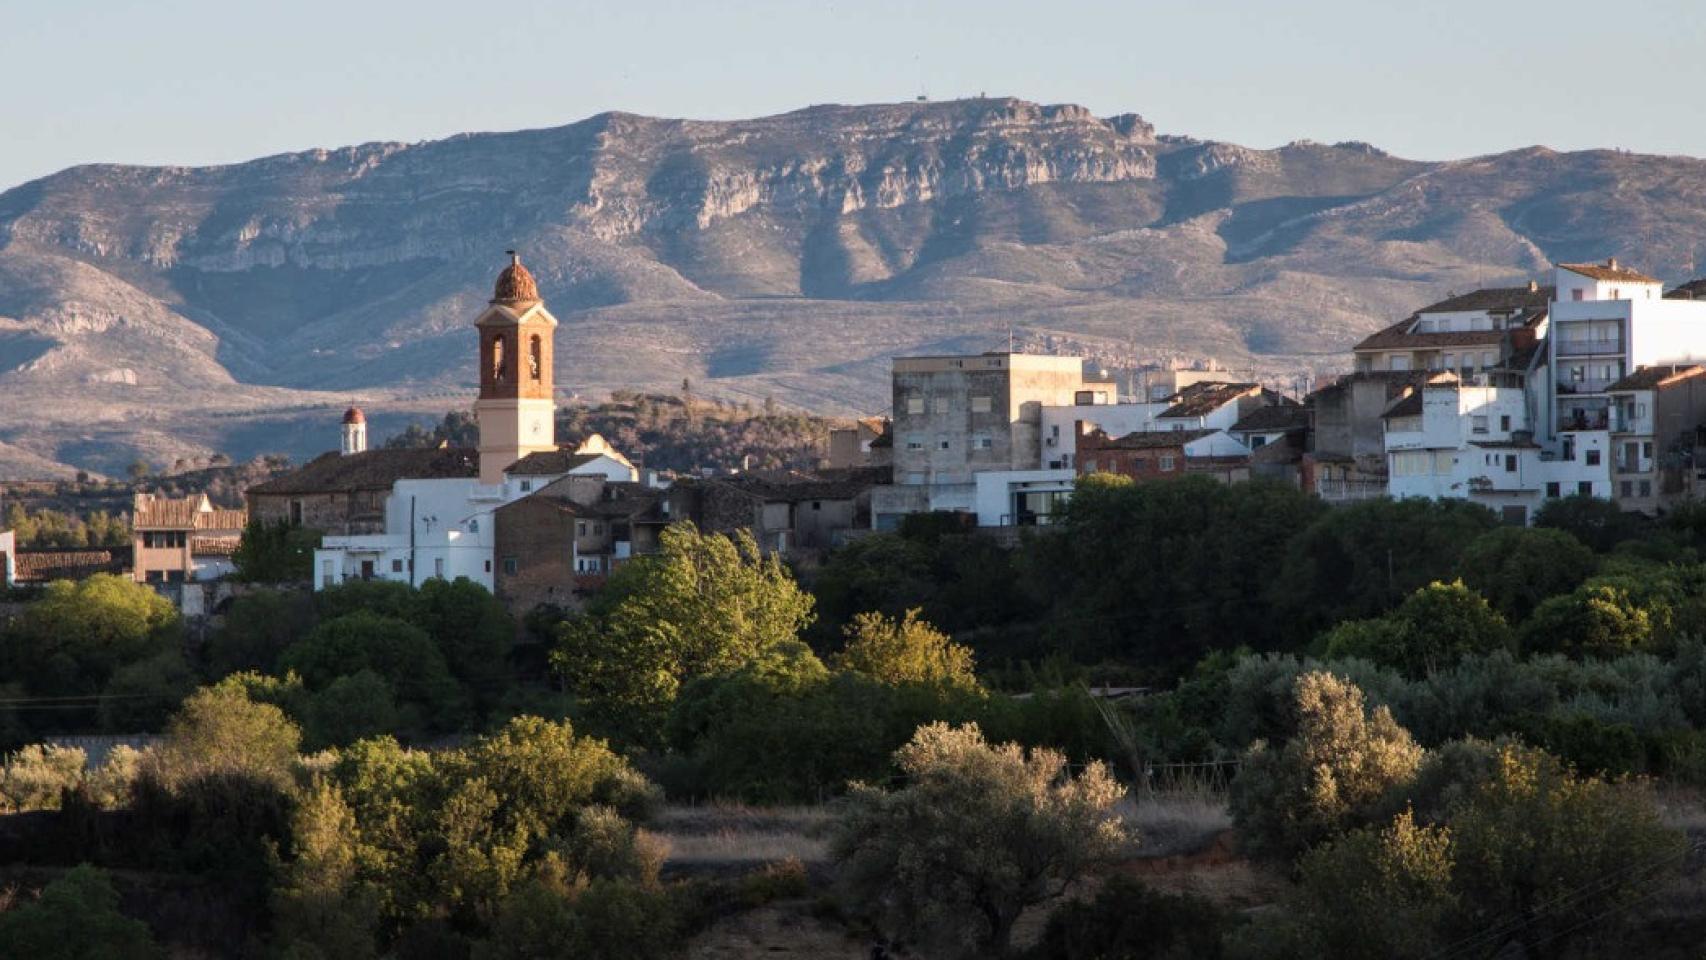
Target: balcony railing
(1593, 385)
(1590, 348)
(1581, 421)
(1344, 491)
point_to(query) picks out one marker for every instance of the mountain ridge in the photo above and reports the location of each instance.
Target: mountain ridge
(788, 255)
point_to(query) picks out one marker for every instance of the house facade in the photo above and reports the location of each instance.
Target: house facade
(183, 539)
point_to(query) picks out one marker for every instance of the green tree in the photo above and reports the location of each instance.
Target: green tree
(908, 650)
(78, 634)
(978, 834)
(75, 918)
(351, 708)
(1364, 559)
(1600, 524)
(321, 908)
(1595, 620)
(1538, 849)
(275, 553)
(219, 730)
(1516, 568)
(257, 628)
(141, 695)
(1378, 892)
(705, 604)
(1340, 761)
(399, 653)
(1431, 630)
(472, 630)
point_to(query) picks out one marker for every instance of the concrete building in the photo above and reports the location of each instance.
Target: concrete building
(960, 416)
(857, 446)
(178, 540)
(1345, 457)
(1656, 413)
(789, 512)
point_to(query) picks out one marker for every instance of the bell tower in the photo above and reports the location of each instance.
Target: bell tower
(515, 411)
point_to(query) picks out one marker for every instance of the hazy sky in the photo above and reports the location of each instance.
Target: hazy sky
(211, 81)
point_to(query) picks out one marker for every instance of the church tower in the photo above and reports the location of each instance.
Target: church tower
(515, 411)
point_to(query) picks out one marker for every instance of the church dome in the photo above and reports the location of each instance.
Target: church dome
(515, 284)
(354, 415)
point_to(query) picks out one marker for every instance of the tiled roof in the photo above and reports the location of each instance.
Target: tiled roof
(43, 566)
(794, 485)
(373, 470)
(214, 546)
(1648, 378)
(1285, 416)
(1610, 270)
(1151, 439)
(1395, 381)
(1531, 303)
(187, 513)
(544, 463)
(1692, 290)
(1204, 398)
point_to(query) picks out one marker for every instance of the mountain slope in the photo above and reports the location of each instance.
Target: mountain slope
(786, 256)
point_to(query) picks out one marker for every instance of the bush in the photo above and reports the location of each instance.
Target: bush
(1431, 630)
(905, 651)
(1378, 893)
(1128, 921)
(1596, 620)
(978, 834)
(75, 918)
(1517, 568)
(1599, 524)
(36, 776)
(219, 730)
(1327, 777)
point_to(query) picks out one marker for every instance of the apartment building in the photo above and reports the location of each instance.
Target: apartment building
(959, 417)
(1656, 413)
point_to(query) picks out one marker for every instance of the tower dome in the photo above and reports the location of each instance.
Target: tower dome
(515, 284)
(354, 415)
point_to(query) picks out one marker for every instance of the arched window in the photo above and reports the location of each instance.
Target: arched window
(535, 357)
(498, 358)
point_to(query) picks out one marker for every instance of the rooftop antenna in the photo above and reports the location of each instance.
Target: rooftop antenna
(1009, 338)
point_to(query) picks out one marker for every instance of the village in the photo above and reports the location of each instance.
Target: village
(1590, 385)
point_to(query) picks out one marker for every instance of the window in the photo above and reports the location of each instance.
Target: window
(1488, 360)
(944, 405)
(535, 366)
(511, 565)
(1585, 488)
(1646, 488)
(1166, 463)
(1257, 441)
(1627, 487)
(914, 441)
(1398, 363)
(817, 504)
(980, 405)
(526, 485)
(1510, 463)
(438, 567)
(915, 478)
(1576, 294)
(1477, 424)
(325, 573)
(1592, 458)
(580, 528)
(1505, 423)
(1450, 361)
(1090, 465)
(942, 442)
(396, 566)
(296, 513)
(1647, 450)
(488, 566)
(983, 441)
(914, 405)
(1552, 491)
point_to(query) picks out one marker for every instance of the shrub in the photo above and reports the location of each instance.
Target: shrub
(1340, 762)
(978, 833)
(1128, 921)
(76, 917)
(219, 730)
(1596, 620)
(907, 650)
(1378, 893)
(1517, 568)
(36, 776)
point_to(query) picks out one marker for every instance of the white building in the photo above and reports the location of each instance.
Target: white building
(443, 526)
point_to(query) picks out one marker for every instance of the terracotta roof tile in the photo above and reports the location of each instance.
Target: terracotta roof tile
(545, 463)
(43, 566)
(1609, 271)
(1648, 378)
(1149, 439)
(1285, 416)
(1199, 399)
(372, 470)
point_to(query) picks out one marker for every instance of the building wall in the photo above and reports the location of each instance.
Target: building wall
(335, 514)
(538, 537)
(997, 490)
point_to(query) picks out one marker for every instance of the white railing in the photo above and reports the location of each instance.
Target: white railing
(1345, 490)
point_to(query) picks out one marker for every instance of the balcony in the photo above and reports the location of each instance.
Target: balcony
(1347, 491)
(1590, 348)
(1578, 420)
(1590, 385)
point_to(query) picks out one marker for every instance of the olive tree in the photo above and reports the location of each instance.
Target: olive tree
(908, 650)
(978, 833)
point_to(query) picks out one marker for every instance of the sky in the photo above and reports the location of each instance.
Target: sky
(192, 82)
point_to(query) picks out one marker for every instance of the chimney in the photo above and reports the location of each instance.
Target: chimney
(1611, 262)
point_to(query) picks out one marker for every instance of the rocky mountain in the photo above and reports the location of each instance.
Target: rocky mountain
(163, 312)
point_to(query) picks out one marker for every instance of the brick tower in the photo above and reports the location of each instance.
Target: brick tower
(515, 411)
